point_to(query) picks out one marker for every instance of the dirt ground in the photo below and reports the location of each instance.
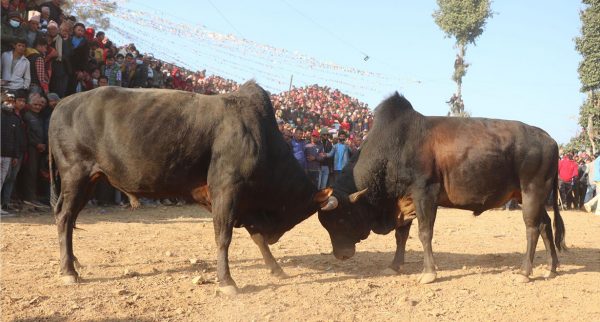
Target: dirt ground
(140, 265)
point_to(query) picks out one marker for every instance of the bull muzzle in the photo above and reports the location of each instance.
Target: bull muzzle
(331, 204)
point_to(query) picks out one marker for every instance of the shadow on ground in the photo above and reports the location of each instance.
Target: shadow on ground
(93, 214)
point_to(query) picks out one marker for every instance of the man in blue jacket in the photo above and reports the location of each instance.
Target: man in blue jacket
(341, 155)
(298, 145)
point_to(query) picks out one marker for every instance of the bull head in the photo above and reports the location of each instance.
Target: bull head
(355, 196)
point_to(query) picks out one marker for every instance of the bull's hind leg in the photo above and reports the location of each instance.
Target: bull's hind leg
(533, 213)
(546, 232)
(76, 187)
(401, 238)
(267, 255)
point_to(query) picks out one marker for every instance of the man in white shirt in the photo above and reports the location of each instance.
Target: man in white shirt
(15, 67)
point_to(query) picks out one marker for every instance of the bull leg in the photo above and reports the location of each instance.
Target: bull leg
(546, 232)
(426, 209)
(75, 185)
(270, 261)
(532, 214)
(224, 206)
(401, 238)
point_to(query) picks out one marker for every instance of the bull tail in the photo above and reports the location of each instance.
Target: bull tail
(54, 196)
(559, 224)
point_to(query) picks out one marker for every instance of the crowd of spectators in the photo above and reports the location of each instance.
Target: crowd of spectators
(579, 180)
(47, 55)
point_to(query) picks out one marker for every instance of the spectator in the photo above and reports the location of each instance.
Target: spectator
(100, 39)
(79, 55)
(591, 184)
(15, 67)
(341, 155)
(128, 70)
(298, 145)
(314, 155)
(14, 143)
(95, 75)
(35, 148)
(5, 9)
(83, 82)
(44, 19)
(567, 174)
(326, 163)
(33, 30)
(60, 69)
(56, 13)
(595, 202)
(39, 76)
(102, 81)
(12, 30)
(140, 74)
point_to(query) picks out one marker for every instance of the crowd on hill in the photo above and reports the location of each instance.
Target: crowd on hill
(47, 55)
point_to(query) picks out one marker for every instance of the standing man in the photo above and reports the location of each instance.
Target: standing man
(568, 170)
(40, 82)
(595, 174)
(326, 163)
(298, 146)
(35, 148)
(12, 29)
(14, 144)
(15, 67)
(341, 155)
(591, 184)
(314, 156)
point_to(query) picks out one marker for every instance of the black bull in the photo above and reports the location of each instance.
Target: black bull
(410, 164)
(224, 151)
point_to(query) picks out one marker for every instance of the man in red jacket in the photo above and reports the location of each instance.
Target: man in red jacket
(567, 178)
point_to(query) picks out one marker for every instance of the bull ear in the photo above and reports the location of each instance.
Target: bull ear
(322, 196)
(355, 196)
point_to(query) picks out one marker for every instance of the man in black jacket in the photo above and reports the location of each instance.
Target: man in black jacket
(35, 147)
(13, 144)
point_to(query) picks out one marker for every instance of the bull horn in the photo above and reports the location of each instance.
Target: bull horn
(355, 196)
(332, 203)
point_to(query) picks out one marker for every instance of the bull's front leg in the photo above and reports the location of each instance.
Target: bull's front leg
(224, 210)
(426, 208)
(397, 264)
(267, 255)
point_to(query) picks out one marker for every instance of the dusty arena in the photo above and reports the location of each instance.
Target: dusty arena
(158, 264)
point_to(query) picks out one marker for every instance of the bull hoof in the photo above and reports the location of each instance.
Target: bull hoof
(522, 279)
(69, 279)
(550, 274)
(279, 273)
(426, 278)
(227, 291)
(389, 271)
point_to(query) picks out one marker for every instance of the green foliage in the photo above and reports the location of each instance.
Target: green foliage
(95, 15)
(577, 143)
(588, 44)
(462, 19)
